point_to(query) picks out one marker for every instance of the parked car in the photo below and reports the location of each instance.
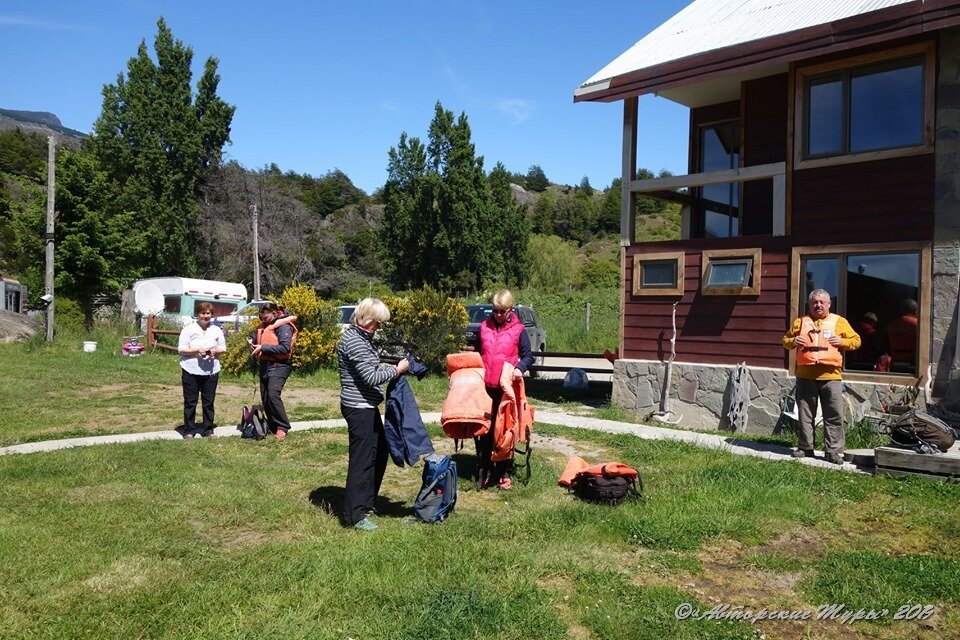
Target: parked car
(346, 310)
(531, 321)
(244, 314)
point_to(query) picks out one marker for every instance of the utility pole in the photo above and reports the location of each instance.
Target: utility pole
(48, 236)
(256, 254)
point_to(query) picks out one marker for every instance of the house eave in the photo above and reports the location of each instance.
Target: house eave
(910, 19)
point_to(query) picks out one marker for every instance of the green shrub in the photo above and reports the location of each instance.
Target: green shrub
(429, 321)
(563, 316)
(237, 360)
(68, 316)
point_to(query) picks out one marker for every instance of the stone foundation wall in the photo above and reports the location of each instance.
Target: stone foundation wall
(701, 393)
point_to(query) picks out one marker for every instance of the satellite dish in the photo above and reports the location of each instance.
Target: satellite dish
(148, 299)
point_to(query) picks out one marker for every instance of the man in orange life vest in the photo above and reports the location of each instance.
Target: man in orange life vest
(820, 337)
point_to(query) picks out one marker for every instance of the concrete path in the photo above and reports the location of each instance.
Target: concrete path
(725, 443)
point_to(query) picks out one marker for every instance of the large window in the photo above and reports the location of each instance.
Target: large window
(719, 204)
(867, 107)
(879, 293)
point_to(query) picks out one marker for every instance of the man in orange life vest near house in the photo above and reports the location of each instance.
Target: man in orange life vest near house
(820, 338)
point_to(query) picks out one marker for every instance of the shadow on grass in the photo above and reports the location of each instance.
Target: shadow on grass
(330, 500)
(596, 396)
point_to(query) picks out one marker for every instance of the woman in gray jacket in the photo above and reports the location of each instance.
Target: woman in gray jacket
(362, 377)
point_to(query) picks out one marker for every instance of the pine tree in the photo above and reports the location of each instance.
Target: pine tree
(515, 257)
(154, 138)
(443, 223)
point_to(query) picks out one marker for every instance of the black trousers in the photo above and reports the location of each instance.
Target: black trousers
(489, 472)
(194, 388)
(272, 378)
(367, 463)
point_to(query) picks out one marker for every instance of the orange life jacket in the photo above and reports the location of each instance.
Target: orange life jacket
(466, 410)
(268, 335)
(577, 466)
(818, 349)
(514, 422)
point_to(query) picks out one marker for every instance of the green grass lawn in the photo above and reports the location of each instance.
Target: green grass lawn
(56, 391)
(227, 538)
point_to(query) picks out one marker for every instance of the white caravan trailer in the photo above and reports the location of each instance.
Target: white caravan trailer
(180, 295)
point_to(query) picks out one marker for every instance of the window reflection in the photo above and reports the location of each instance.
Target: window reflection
(886, 109)
(719, 204)
(879, 298)
(865, 109)
(825, 131)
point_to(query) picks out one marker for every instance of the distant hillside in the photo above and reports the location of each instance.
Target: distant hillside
(40, 122)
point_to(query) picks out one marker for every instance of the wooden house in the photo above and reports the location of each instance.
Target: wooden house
(823, 153)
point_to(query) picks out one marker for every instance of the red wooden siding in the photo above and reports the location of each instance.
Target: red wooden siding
(764, 125)
(881, 201)
(712, 329)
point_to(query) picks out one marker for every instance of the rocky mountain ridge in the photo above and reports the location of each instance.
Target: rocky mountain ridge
(42, 122)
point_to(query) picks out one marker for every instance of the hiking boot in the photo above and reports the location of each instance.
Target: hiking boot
(835, 458)
(207, 434)
(504, 483)
(802, 453)
(366, 525)
(281, 434)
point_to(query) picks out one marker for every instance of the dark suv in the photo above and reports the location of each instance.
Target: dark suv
(479, 312)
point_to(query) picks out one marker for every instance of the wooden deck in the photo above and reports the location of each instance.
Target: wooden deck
(900, 462)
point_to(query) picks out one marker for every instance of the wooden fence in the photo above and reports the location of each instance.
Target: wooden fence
(153, 332)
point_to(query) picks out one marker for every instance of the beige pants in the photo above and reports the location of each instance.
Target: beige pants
(830, 395)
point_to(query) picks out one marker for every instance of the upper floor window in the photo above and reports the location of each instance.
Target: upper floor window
(865, 109)
(718, 205)
(869, 107)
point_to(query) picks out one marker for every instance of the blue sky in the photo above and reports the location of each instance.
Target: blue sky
(331, 85)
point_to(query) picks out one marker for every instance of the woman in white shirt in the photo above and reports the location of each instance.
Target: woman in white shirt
(200, 346)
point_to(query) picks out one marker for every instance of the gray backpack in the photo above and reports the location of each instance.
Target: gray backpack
(921, 432)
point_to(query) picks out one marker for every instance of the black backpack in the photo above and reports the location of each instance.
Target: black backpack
(253, 424)
(921, 432)
(603, 489)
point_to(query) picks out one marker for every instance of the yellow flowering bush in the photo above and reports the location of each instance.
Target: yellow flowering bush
(318, 333)
(237, 359)
(427, 322)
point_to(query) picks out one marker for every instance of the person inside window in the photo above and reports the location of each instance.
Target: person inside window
(902, 338)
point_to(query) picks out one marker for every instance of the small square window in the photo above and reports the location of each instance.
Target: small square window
(730, 272)
(658, 274)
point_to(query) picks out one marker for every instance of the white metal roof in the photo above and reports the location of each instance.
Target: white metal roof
(708, 25)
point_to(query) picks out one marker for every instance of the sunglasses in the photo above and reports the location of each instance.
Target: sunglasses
(500, 312)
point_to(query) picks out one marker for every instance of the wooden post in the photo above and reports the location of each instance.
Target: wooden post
(587, 317)
(256, 253)
(151, 325)
(48, 236)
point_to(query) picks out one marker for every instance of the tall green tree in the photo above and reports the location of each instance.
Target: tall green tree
(515, 256)
(536, 179)
(444, 223)
(95, 247)
(154, 138)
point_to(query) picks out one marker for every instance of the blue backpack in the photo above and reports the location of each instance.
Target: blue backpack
(438, 494)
